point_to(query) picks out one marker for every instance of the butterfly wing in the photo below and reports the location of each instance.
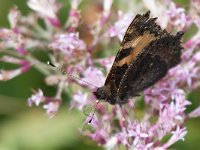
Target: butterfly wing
(150, 65)
(142, 31)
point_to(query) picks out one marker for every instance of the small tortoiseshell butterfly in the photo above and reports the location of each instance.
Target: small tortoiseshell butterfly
(146, 54)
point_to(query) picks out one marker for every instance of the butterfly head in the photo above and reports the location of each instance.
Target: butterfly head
(100, 93)
(104, 94)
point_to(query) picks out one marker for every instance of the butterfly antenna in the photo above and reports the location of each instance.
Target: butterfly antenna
(95, 109)
(61, 69)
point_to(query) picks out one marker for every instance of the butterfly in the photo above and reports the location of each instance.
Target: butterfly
(146, 54)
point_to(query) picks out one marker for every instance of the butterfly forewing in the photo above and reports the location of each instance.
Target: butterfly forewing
(145, 55)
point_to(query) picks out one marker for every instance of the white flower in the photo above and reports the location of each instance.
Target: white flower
(13, 17)
(46, 8)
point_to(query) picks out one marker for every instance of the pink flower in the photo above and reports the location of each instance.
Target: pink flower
(99, 136)
(138, 132)
(74, 19)
(178, 17)
(36, 99)
(10, 59)
(79, 100)
(122, 138)
(119, 28)
(68, 43)
(74, 15)
(50, 104)
(10, 39)
(177, 135)
(106, 63)
(52, 80)
(111, 143)
(52, 108)
(195, 113)
(10, 74)
(93, 76)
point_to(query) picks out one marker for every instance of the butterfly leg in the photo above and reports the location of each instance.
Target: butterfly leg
(123, 123)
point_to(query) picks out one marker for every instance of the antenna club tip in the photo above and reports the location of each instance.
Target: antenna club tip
(89, 122)
(49, 63)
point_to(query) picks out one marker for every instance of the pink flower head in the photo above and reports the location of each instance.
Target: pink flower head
(68, 43)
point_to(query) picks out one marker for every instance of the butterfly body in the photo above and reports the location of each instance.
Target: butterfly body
(146, 54)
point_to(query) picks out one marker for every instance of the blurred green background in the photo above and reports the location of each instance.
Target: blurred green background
(24, 128)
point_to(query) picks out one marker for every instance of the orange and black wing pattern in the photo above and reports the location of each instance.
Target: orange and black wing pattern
(145, 55)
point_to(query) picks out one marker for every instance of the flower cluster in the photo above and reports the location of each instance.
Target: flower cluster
(75, 44)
